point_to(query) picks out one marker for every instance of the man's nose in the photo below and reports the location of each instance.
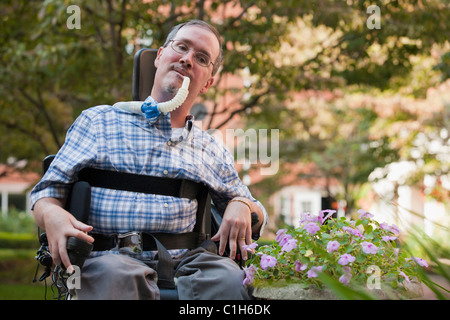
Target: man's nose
(188, 59)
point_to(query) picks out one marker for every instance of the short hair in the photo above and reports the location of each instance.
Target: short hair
(202, 24)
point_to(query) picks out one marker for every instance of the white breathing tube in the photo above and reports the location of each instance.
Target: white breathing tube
(178, 100)
(152, 108)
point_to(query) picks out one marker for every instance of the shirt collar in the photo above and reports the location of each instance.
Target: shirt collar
(164, 126)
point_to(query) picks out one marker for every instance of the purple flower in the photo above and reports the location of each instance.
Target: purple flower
(251, 247)
(369, 247)
(384, 225)
(332, 246)
(280, 235)
(285, 239)
(321, 213)
(345, 278)
(404, 276)
(289, 245)
(311, 227)
(300, 266)
(313, 272)
(353, 231)
(392, 228)
(419, 261)
(346, 259)
(388, 238)
(267, 262)
(365, 214)
(249, 275)
(308, 217)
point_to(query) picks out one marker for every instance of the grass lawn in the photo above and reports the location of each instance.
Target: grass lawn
(14, 291)
(17, 268)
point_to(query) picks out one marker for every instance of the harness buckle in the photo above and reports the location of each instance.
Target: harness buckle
(130, 241)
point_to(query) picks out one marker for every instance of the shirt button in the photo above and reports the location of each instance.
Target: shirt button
(166, 205)
(165, 172)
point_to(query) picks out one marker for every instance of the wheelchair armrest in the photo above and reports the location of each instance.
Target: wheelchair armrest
(79, 202)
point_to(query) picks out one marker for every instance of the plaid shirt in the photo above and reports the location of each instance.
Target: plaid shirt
(107, 137)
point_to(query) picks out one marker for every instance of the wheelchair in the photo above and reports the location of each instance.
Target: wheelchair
(208, 219)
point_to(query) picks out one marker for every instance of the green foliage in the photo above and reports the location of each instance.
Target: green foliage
(18, 231)
(17, 222)
(50, 73)
(436, 252)
(18, 240)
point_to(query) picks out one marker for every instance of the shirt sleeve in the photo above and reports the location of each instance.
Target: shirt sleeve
(78, 151)
(231, 186)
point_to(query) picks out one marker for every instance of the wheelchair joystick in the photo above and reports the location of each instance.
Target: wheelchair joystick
(78, 251)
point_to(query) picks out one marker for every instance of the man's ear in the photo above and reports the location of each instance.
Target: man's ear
(158, 55)
(208, 84)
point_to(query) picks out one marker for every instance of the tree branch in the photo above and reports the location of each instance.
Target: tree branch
(238, 17)
(250, 104)
(40, 105)
(201, 9)
(32, 134)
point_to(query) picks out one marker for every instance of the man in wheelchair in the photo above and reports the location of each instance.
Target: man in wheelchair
(167, 146)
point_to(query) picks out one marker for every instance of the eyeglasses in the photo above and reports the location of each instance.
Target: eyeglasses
(182, 48)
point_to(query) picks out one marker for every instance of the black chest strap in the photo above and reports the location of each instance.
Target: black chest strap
(140, 183)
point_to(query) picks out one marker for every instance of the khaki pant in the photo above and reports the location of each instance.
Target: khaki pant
(200, 275)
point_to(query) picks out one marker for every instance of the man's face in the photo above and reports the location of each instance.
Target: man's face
(172, 66)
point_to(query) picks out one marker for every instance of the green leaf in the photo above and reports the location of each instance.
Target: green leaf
(275, 272)
(360, 258)
(368, 228)
(326, 236)
(394, 284)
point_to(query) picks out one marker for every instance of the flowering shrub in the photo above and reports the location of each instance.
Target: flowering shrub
(342, 249)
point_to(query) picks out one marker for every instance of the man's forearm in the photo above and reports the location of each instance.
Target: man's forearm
(44, 206)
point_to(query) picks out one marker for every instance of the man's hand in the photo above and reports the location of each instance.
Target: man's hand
(236, 228)
(59, 225)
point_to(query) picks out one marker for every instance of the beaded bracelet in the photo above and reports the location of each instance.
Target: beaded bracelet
(242, 201)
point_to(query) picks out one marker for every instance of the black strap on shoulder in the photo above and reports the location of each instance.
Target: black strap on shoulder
(139, 183)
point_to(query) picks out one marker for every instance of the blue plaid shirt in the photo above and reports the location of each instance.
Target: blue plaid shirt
(107, 137)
